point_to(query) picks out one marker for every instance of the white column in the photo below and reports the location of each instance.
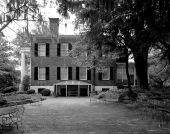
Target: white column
(78, 90)
(88, 90)
(22, 66)
(66, 90)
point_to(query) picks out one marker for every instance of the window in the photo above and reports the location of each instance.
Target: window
(64, 73)
(64, 49)
(41, 75)
(42, 49)
(83, 73)
(106, 74)
(119, 74)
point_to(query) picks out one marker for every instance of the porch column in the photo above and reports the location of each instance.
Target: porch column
(22, 67)
(66, 90)
(87, 90)
(78, 90)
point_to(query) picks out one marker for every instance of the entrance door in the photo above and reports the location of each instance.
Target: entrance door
(83, 92)
(72, 90)
(63, 91)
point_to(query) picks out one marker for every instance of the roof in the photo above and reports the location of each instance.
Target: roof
(72, 82)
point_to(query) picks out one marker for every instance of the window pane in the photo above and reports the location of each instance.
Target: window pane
(105, 74)
(124, 74)
(64, 49)
(119, 74)
(64, 73)
(42, 49)
(41, 73)
(83, 73)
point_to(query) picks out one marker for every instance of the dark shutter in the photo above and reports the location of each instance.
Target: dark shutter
(58, 49)
(47, 49)
(111, 73)
(70, 73)
(89, 74)
(35, 73)
(77, 73)
(47, 73)
(36, 50)
(58, 73)
(100, 76)
(69, 46)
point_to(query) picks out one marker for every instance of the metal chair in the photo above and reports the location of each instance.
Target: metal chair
(17, 116)
(93, 97)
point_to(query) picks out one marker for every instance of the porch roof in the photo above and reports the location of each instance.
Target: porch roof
(72, 82)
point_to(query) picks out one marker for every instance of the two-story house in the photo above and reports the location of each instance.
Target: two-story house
(51, 68)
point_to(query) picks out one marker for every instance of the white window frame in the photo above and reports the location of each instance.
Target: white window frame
(39, 49)
(61, 73)
(108, 74)
(134, 73)
(80, 75)
(39, 73)
(63, 54)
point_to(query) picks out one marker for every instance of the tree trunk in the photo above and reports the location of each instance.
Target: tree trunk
(130, 92)
(141, 64)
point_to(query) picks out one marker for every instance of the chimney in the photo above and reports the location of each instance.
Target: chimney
(54, 26)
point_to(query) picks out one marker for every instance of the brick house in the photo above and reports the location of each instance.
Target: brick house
(52, 69)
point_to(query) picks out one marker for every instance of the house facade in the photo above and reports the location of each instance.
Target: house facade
(51, 68)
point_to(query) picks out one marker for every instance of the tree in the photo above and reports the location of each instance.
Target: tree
(26, 83)
(9, 75)
(21, 10)
(118, 30)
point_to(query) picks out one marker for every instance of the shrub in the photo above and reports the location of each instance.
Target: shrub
(21, 92)
(31, 91)
(3, 101)
(46, 92)
(10, 89)
(26, 83)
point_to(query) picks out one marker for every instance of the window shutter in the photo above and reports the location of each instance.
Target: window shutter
(69, 46)
(111, 73)
(47, 49)
(47, 73)
(77, 73)
(36, 50)
(35, 73)
(58, 73)
(70, 73)
(100, 76)
(89, 74)
(58, 49)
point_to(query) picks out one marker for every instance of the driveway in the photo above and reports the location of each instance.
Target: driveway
(76, 115)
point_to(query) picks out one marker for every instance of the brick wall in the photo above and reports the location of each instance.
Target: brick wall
(54, 61)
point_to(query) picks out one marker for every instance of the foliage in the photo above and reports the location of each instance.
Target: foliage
(9, 89)
(46, 92)
(21, 10)
(26, 83)
(159, 73)
(3, 101)
(31, 91)
(21, 92)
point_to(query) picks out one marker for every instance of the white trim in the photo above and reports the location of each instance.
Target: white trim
(63, 49)
(39, 49)
(47, 87)
(61, 73)
(86, 73)
(39, 74)
(108, 74)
